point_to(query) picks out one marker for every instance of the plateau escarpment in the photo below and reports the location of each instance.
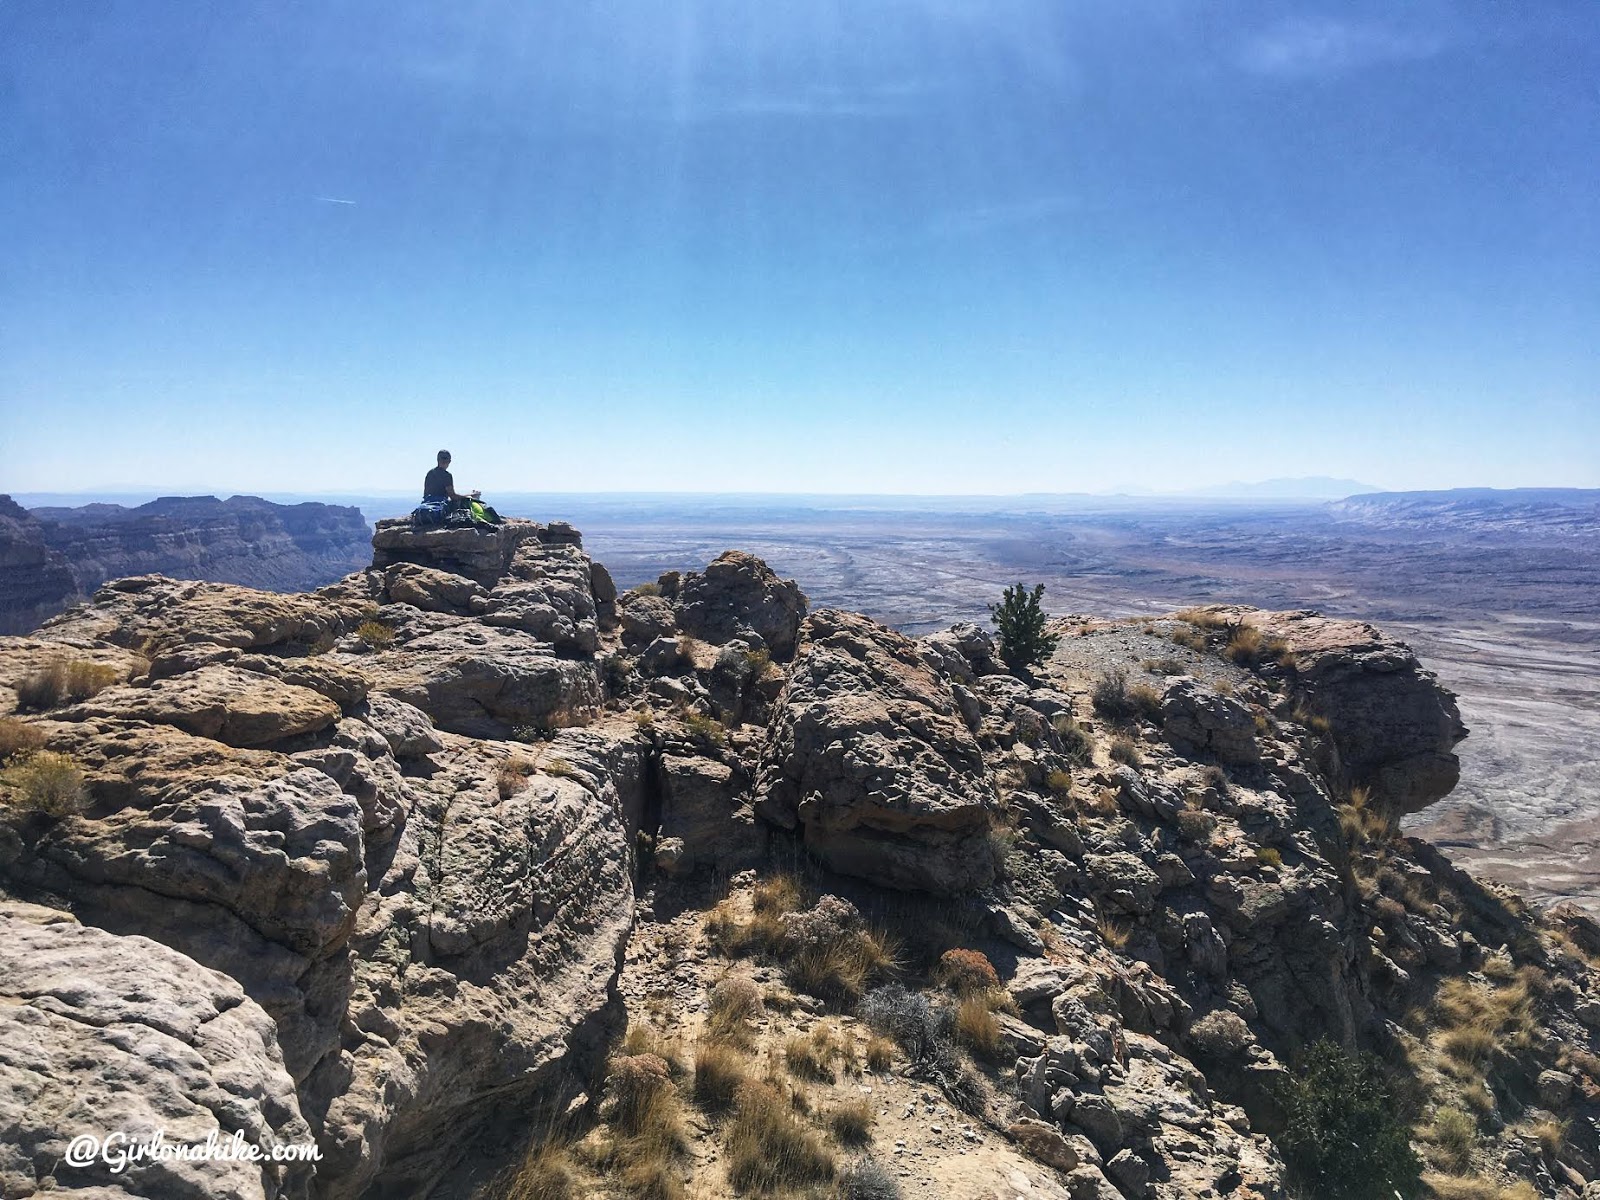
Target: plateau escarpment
(58, 556)
(467, 850)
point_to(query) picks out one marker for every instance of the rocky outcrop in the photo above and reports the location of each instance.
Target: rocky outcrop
(870, 759)
(739, 596)
(482, 554)
(1394, 728)
(372, 853)
(430, 924)
(243, 540)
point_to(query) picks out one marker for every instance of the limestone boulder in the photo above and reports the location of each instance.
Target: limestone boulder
(101, 1034)
(1208, 723)
(1394, 726)
(429, 588)
(869, 757)
(224, 703)
(156, 616)
(323, 674)
(644, 618)
(483, 681)
(703, 807)
(549, 592)
(482, 555)
(738, 595)
(962, 653)
(404, 727)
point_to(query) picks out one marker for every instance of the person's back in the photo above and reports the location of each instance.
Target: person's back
(438, 485)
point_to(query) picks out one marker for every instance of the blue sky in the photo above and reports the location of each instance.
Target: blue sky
(873, 245)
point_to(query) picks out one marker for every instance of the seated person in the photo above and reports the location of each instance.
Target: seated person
(439, 485)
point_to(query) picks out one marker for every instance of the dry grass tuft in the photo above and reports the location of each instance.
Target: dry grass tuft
(1551, 1136)
(764, 932)
(1244, 645)
(1115, 699)
(511, 775)
(880, 1054)
(779, 895)
(976, 1028)
(719, 1071)
(1113, 932)
(1191, 639)
(769, 1149)
(63, 682)
(852, 1122)
(375, 634)
(546, 1173)
(1076, 743)
(1163, 666)
(642, 1039)
(1313, 721)
(1476, 1187)
(1195, 825)
(1059, 782)
(1269, 856)
(706, 730)
(1126, 751)
(18, 738)
(1201, 619)
(813, 1056)
(1453, 1133)
(1364, 822)
(559, 767)
(841, 970)
(647, 1131)
(1474, 1023)
(735, 1001)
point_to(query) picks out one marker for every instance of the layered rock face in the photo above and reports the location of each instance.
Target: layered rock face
(246, 540)
(35, 581)
(373, 854)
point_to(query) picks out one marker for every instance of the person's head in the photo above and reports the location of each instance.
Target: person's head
(444, 458)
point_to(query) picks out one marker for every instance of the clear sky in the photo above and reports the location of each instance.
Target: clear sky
(934, 246)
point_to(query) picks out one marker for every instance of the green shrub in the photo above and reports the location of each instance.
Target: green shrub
(1020, 619)
(376, 634)
(1342, 1136)
(44, 782)
(707, 730)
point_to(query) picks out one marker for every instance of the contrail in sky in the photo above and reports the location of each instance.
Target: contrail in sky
(333, 200)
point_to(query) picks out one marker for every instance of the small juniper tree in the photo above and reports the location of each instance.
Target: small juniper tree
(1342, 1136)
(1021, 621)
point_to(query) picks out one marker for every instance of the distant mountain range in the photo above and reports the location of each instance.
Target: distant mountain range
(1309, 487)
(1560, 512)
(53, 557)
